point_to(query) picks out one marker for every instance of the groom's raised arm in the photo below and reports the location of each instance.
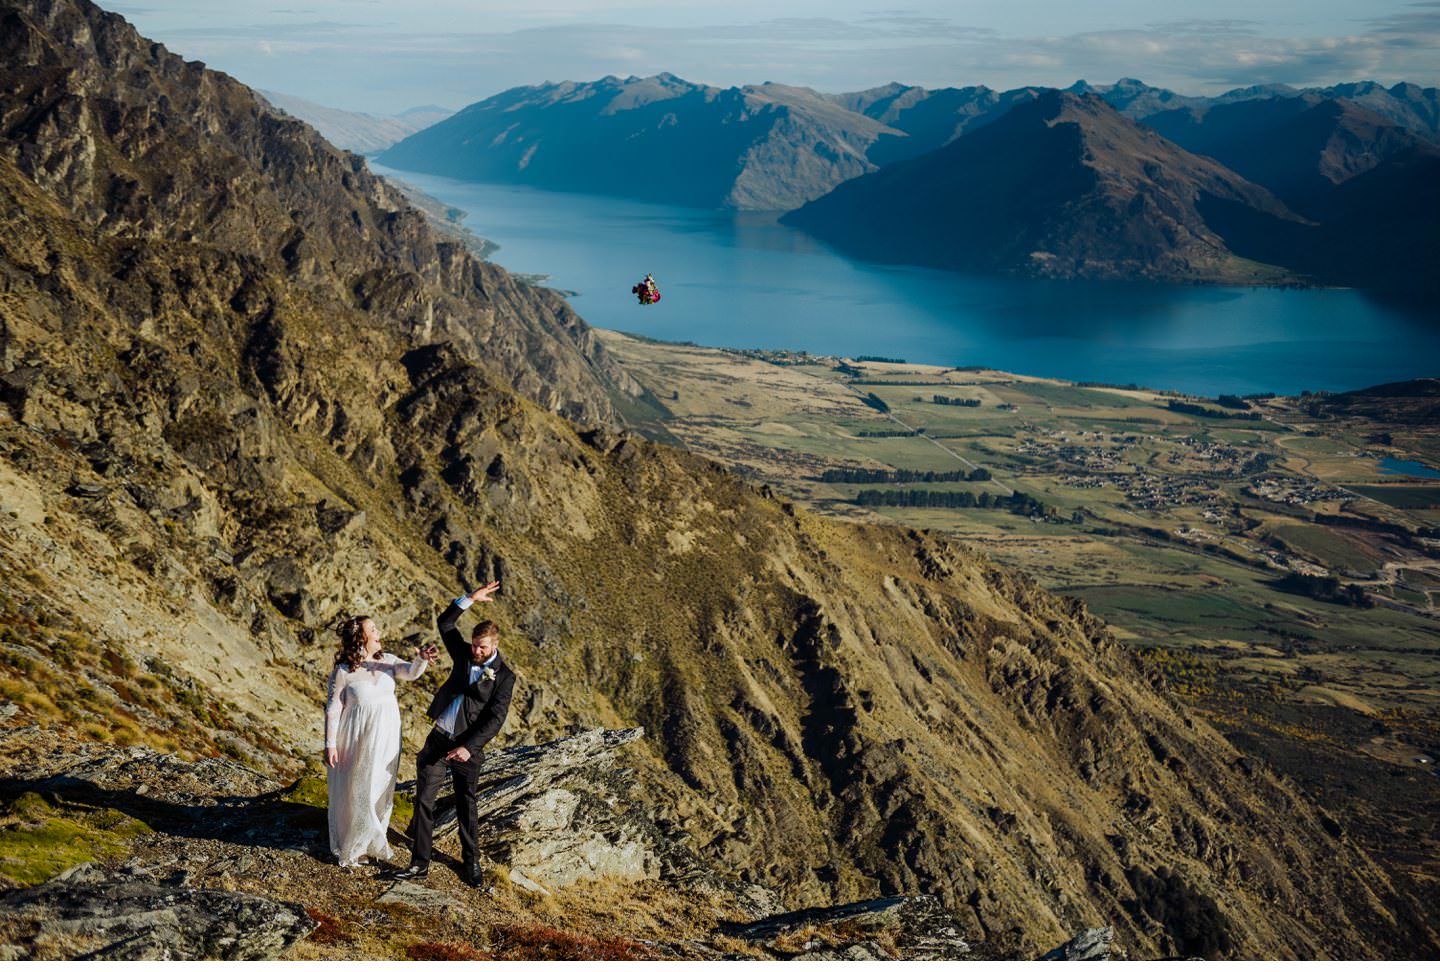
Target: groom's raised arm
(457, 646)
(454, 644)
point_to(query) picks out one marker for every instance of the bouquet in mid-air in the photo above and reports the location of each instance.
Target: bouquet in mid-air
(647, 291)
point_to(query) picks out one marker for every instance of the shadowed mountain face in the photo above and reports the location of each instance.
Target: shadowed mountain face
(923, 121)
(1300, 148)
(765, 147)
(229, 417)
(1062, 185)
(1380, 229)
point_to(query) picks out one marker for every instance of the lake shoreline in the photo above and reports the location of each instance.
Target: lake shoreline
(742, 281)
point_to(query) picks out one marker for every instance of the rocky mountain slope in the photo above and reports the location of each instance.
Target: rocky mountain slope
(90, 113)
(664, 139)
(242, 398)
(358, 131)
(1060, 186)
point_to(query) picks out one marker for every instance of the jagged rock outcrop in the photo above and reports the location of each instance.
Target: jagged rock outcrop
(549, 812)
(1093, 944)
(146, 773)
(910, 928)
(91, 913)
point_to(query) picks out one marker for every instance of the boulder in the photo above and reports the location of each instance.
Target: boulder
(92, 913)
(552, 811)
(1090, 945)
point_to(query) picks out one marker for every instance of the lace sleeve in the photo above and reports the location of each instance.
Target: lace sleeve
(406, 671)
(333, 705)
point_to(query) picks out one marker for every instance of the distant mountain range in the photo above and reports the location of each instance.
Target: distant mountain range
(1149, 183)
(768, 147)
(1300, 147)
(357, 131)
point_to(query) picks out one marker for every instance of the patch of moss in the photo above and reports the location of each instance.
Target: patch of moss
(403, 811)
(313, 791)
(39, 841)
(309, 791)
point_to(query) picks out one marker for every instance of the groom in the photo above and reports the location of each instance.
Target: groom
(468, 711)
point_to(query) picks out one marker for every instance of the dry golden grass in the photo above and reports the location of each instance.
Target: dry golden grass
(840, 935)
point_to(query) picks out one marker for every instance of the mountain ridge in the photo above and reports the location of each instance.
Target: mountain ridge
(681, 143)
(356, 131)
(771, 146)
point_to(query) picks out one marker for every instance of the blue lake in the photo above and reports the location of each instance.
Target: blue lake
(1407, 467)
(743, 280)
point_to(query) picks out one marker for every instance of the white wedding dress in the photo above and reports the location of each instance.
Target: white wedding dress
(362, 723)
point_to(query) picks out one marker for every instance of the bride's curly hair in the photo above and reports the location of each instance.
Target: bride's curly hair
(352, 641)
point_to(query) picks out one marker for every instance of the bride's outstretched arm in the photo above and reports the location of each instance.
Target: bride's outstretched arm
(413, 669)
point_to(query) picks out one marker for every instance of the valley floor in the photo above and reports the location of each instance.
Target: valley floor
(1192, 535)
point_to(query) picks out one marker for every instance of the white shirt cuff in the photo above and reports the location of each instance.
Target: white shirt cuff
(463, 602)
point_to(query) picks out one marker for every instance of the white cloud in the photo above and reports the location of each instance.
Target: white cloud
(394, 60)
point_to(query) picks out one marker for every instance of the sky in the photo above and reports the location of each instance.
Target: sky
(383, 56)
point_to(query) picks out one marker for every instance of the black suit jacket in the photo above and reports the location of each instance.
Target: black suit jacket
(487, 701)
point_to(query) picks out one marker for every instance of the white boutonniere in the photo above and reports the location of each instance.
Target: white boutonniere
(489, 675)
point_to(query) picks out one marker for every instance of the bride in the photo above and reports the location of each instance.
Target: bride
(362, 740)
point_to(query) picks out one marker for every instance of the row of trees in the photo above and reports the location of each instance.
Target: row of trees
(1017, 502)
(1327, 588)
(947, 400)
(976, 475)
(1190, 408)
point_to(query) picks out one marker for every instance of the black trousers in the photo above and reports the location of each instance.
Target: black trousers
(430, 766)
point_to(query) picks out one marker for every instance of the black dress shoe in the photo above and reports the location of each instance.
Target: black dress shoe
(472, 876)
(416, 871)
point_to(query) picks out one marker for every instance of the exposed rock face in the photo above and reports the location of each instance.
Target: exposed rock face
(90, 913)
(140, 143)
(836, 711)
(146, 773)
(549, 812)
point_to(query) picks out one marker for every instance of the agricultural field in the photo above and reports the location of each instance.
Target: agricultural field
(1178, 528)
